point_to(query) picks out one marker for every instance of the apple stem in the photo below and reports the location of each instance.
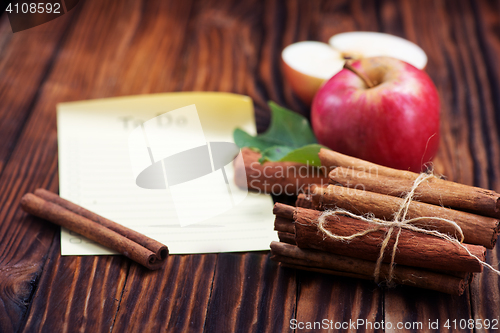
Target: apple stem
(363, 77)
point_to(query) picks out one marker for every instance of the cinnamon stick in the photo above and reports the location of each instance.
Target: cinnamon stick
(95, 230)
(477, 229)
(283, 224)
(304, 200)
(337, 264)
(286, 237)
(434, 190)
(278, 178)
(298, 264)
(414, 249)
(284, 211)
(133, 235)
(331, 159)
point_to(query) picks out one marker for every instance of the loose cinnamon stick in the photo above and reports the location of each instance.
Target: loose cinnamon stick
(277, 178)
(477, 229)
(434, 190)
(93, 230)
(414, 249)
(290, 254)
(133, 235)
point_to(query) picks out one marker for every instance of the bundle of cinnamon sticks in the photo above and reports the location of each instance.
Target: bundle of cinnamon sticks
(373, 191)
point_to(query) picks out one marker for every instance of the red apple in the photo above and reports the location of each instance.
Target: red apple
(394, 123)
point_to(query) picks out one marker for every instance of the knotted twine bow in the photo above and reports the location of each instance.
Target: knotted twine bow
(399, 223)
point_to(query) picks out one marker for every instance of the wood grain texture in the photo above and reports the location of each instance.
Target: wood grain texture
(173, 300)
(339, 300)
(77, 293)
(250, 294)
(483, 26)
(24, 240)
(116, 48)
(418, 308)
(25, 55)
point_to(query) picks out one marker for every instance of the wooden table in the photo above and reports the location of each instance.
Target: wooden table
(117, 48)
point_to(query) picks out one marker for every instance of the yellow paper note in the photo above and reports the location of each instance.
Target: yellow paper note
(96, 171)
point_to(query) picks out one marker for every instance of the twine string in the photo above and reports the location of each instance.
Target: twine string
(398, 223)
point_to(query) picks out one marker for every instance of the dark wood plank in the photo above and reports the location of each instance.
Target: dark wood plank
(25, 60)
(81, 293)
(175, 299)
(25, 240)
(483, 28)
(250, 294)
(415, 310)
(26, 54)
(452, 86)
(340, 301)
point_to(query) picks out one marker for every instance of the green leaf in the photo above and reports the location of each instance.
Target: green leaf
(287, 128)
(288, 138)
(243, 139)
(275, 153)
(307, 154)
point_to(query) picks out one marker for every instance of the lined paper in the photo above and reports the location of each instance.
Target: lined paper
(95, 172)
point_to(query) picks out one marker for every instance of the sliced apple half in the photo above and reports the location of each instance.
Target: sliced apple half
(306, 65)
(364, 44)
